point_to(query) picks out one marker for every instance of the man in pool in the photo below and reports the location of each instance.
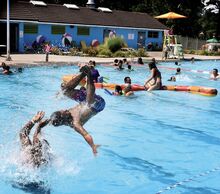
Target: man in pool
(34, 151)
(215, 75)
(127, 89)
(89, 105)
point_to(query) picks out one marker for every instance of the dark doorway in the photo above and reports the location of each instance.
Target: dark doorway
(141, 39)
(14, 37)
(106, 34)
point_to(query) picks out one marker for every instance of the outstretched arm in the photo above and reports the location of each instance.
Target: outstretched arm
(71, 85)
(25, 131)
(38, 130)
(69, 88)
(87, 137)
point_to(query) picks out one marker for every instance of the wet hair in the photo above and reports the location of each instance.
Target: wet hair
(3, 65)
(7, 68)
(176, 63)
(215, 70)
(140, 61)
(20, 70)
(124, 60)
(129, 66)
(61, 118)
(94, 63)
(152, 65)
(153, 59)
(118, 89)
(125, 79)
(178, 70)
(173, 78)
(116, 61)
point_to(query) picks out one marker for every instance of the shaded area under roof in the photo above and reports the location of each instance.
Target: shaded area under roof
(54, 13)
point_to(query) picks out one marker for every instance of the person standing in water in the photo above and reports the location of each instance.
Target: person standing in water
(89, 105)
(154, 82)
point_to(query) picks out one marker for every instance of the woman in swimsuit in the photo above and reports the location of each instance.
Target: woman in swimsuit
(154, 82)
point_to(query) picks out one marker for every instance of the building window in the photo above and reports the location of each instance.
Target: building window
(153, 34)
(58, 29)
(30, 29)
(83, 31)
(130, 36)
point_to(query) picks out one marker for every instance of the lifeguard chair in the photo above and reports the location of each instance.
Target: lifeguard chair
(175, 50)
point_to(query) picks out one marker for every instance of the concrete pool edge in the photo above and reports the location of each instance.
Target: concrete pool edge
(21, 60)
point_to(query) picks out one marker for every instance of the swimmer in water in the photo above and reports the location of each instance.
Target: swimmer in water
(118, 91)
(89, 105)
(172, 79)
(215, 75)
(120, 65)
(34, 151)
(178, 71)
(127, 90)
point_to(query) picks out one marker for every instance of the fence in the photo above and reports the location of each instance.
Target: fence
(191, 43)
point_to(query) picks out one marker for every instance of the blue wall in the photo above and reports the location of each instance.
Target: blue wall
(95, 33)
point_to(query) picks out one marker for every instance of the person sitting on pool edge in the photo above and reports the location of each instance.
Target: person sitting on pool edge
(89, 105)
(154, 82)
(127, 89)
(35, 151)
(215, 75)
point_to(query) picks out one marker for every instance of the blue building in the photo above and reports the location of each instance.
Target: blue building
(36, 21)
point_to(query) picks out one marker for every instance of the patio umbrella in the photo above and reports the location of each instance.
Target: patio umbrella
(170, 15)
(213, 40)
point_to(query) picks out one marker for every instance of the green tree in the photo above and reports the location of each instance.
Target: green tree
(198, 19)
(211, 17)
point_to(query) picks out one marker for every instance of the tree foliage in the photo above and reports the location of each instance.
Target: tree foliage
(198, 19)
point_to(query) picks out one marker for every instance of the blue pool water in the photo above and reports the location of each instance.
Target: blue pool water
(149, 141)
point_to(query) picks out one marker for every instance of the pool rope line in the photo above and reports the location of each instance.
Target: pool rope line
(193, 178)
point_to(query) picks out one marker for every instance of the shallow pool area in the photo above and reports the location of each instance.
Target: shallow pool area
(149, 141)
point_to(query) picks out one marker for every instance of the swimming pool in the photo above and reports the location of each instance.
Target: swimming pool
(149, 141)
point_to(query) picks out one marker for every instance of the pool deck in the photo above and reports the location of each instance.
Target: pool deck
(39, 59)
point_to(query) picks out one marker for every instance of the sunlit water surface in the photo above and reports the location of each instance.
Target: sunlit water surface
(148, 141)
